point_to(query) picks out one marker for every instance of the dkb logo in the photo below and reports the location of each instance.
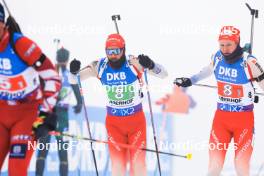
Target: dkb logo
(116, 76)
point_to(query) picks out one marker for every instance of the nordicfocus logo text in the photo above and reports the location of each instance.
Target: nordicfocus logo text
(116, 76)
(227, 72)
(5, 64)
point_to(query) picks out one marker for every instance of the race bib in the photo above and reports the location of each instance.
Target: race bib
(19, 86)
(123, 96)
(12, 84)
(121, 92)
(230, 90)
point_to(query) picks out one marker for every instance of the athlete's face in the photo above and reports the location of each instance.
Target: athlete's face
(114, 53)
(227, 46)
(2, 29)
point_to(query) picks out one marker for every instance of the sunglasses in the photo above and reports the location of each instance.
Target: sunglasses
(115, 51)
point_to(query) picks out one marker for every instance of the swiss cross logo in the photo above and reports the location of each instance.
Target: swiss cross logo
(17, 149)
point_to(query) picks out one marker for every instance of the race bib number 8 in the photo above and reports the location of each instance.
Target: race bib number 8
(230, 90)
(121, 92)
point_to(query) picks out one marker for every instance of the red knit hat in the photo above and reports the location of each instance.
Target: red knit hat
(229, 33)
(115, 40)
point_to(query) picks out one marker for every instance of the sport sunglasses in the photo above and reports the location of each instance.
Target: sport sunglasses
(115, 51)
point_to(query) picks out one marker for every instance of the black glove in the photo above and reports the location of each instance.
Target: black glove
(45, 123)
(146, 62)
(75, 66)
(12, 25)
(183, 82)
(77, 108)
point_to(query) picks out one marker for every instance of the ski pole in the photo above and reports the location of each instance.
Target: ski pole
(6, 6)
(115, 18)
(254, 14)
(123, 145)
(152, 120)
(87, 122)
(11, 20)
(162, 129)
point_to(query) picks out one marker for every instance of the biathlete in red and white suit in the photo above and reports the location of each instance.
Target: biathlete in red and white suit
(24, 101)
(125, 119)
(234, 70)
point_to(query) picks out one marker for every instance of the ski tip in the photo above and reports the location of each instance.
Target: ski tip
(189, 156)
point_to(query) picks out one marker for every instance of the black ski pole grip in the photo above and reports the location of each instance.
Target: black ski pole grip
(114, 17)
